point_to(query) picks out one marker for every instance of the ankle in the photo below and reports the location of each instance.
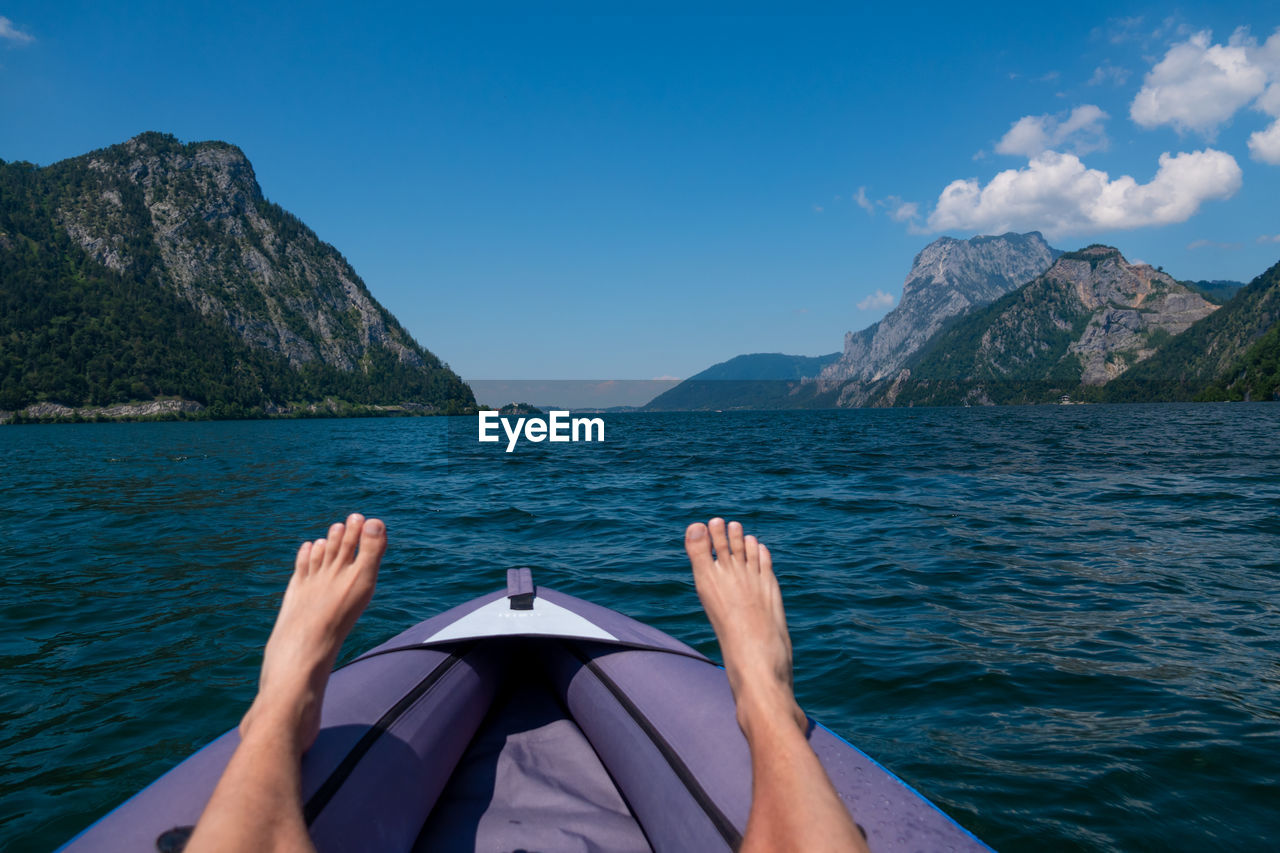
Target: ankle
(765, 712)
(275, 723)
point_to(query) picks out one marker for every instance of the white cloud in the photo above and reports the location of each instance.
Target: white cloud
(1174, 26)
(1080, 131)
(1269, 101)
(1198, 85)
(11, 33)
(1213, 244)
(876, 301)
(1264, 145)
(1119, 30)
(1056, 194)
(864, 202)
(899, 210)
(1106, 72)
(1269, 238)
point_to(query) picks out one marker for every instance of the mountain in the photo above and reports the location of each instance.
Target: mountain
(765, 366)
(755, 381)
(947, 278)
(154, 269)
(1088, 319)
(1231, 354)
(1218, 290)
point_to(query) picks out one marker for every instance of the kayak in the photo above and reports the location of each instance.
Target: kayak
(527, 719)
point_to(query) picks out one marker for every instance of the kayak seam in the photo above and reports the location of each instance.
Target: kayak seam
(327, 790)
(562, 702)
(728, 831)
(626, 645)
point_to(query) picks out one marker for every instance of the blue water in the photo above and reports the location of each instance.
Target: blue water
(1059, 623)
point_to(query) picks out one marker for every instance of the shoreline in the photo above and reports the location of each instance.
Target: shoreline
(190, 410)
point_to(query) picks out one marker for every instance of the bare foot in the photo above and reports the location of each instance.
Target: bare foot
(332, 581)
(743, 602)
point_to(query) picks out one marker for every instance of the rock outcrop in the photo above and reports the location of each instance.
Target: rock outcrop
(1232, 354)
(947, 278)
(229, 252)
(1132, 307)
(154, 409)
(1084, 322)
(157, 269)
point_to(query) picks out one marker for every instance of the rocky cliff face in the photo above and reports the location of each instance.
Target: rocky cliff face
(156, 269)
(1130, 308)
(1232, 354)
(229, 253)
(947, 278)
(1085, 321)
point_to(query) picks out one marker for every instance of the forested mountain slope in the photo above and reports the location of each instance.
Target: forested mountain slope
(156, 269)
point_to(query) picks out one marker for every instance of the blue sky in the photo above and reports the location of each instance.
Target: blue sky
(566, 197)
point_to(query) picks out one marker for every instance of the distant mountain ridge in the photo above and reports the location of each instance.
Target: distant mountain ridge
(156, 269)
(767, 365)
(756, 380)
(947, 277)
(1091, 325)
(1218, 290)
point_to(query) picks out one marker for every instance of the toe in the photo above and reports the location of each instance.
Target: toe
(735, 541)
(697, 544)
(752, 555)
(373, 542)
(335, 540)
(766, 560)
(350, 537)
(718, 540)
(317, 554)
(302, 563)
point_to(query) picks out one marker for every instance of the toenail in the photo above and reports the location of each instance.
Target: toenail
(697, 533)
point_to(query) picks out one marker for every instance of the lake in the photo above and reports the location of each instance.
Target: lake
(1061, 624)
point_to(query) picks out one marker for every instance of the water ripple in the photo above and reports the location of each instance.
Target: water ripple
(1059, 623)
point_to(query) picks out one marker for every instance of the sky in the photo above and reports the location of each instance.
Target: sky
(569, 197)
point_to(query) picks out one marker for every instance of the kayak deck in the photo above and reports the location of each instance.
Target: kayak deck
(530, 721)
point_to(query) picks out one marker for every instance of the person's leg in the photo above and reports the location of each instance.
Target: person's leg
(793, 804)
(257, 804)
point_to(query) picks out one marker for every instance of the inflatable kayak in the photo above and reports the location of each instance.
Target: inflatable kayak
(527, 719)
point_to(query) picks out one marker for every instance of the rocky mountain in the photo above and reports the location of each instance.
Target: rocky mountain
(154, 269)
(947, 278)
(1233, 354)
(1087, 320)
(754, 381)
